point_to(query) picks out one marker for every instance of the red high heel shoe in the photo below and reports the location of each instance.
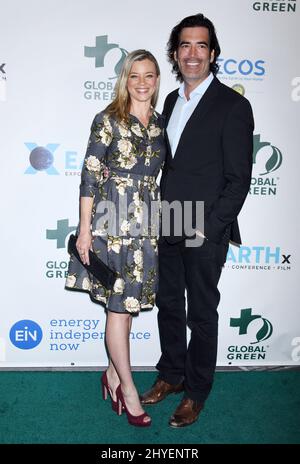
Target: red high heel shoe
(138, 421)
(106, 390)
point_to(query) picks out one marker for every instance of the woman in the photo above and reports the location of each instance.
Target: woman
(124, 156)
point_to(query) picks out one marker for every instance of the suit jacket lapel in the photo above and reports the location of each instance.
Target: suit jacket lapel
(171, 104)
(167, 114)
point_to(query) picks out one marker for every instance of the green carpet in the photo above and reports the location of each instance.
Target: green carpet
(67, 407)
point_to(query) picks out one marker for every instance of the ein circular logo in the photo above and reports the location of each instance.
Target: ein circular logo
(26, 334)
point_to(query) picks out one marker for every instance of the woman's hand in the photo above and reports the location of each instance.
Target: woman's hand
(83, 245)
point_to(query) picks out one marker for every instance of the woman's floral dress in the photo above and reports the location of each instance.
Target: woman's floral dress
(119, 172)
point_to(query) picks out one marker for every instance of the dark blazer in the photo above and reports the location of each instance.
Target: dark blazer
(213, 160)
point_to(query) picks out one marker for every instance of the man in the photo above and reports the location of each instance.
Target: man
(210, 133)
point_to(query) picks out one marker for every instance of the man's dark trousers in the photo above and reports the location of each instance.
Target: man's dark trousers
(196, 270)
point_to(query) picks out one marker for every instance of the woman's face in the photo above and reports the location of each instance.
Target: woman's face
(142, 81)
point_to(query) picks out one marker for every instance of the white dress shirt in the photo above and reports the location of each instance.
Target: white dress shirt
(183, 110)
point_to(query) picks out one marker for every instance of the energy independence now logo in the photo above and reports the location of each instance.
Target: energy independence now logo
(246, 323)
(110, 57)
(26, 334)
(73, 334)
(55, 268)
(2, 82)
(257, 258)
(266, 159)
(279, 6)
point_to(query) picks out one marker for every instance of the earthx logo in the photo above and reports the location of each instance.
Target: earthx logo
(109, 57)
(45, 158)
(41, 158)
(258, 258)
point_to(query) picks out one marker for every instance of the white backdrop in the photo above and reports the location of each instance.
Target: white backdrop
(51, 86)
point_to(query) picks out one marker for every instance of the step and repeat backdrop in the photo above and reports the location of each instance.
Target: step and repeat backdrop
(58, 67)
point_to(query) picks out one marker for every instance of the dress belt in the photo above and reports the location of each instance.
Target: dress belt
(127, 175)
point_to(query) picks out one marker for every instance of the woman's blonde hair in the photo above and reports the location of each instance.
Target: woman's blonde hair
(119, 107)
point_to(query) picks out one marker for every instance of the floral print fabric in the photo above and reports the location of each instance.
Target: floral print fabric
(120, 169)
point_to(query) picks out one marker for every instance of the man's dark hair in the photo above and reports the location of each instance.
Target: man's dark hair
(198, 20)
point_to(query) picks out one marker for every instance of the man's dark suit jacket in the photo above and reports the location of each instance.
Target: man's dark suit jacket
(213, 160)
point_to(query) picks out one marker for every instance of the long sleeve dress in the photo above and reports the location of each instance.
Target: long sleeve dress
(119, 172)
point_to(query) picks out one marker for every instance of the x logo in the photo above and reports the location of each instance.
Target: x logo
(2, 68)
(286, 259)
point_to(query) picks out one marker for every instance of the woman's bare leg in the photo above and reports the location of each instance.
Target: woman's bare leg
(117, 340)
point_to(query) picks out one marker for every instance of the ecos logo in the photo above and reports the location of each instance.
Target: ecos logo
(244, 69)
(255, 326)
(57, 269)
(26, 334)
(43, 159)
(258, 258)
(109, 56)
(267, 158)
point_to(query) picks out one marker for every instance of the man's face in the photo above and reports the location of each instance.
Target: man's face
(193, 55)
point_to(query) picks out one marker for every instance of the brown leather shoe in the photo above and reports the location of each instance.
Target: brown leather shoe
(159, 391)
(186, 413)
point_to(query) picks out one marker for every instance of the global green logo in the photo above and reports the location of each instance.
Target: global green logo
(274, 155)
(101, 49)
(282, 6)
(245, 320)
(60, 233)
(58, 268)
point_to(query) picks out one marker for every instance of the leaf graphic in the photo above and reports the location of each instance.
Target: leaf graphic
(265, 332)
(118, 66)
(274, 161)
(279, 158)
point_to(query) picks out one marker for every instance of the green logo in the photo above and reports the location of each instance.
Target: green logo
(275, 159)
(101, 49)
(282, 6)
(245, 320)
(60, 233)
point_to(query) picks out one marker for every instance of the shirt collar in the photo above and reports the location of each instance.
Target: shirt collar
(199, 90)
